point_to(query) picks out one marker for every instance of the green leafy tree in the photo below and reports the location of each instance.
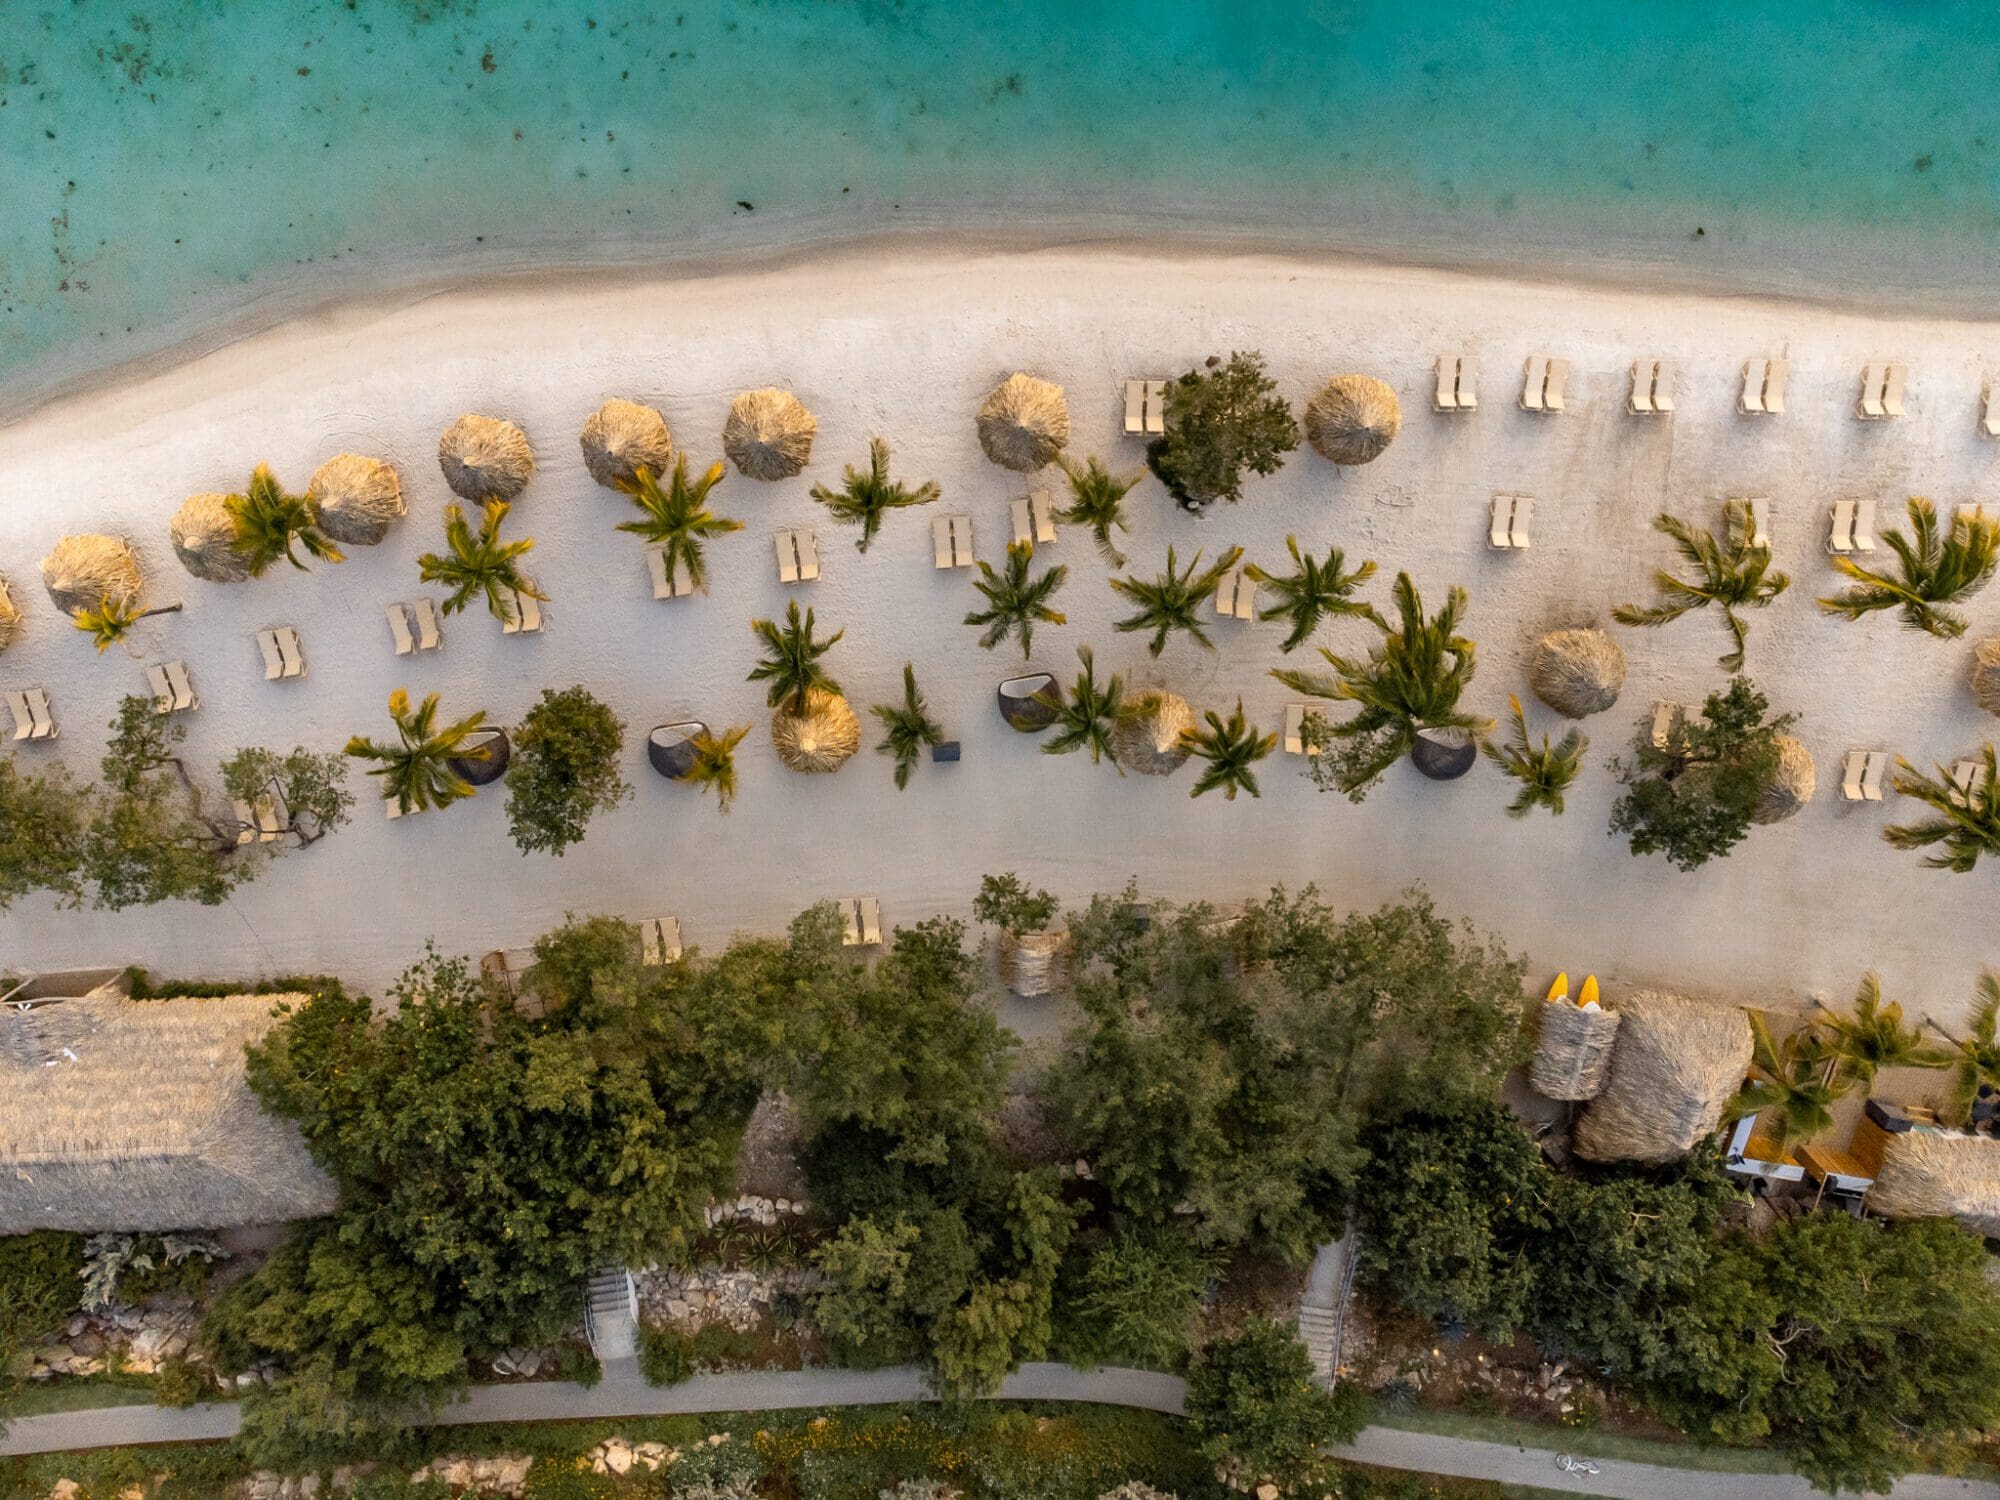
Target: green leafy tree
(1005, 902)
(1255, 1407)
(1938, 569)
(677, 519)
(1315, 591)
(416, 770)
(1172, 601)
(1231, 747)
(1006, 1316)
(1963, 825)
(150, 838)
(305, 790)
(40, 1282)
(1543, 771)
(1975, 1057)
(1692, 799)
(1015, 601)
(791, 660)
(1096, 500)
(1222, 422)
(564, 770)
(1794, 1086)
(1086, 721)
(1874, 1037)
(112, 620)
(714, 767)
(1135, 1297)
(1733, 574)
(479, 563)
(865, 498)
(907, 727)
(44, 818)
(269, 523)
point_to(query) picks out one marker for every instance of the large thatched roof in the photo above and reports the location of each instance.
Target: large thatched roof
(484, 458)
(1676, 1063)
(81, 572)
(121, 1114)
(1573, 1051)
(1577, 672)
(1024, 423)
(1147, 736)
(1352, 419)
(819, 740)
(1927, 1174)
(355, 499)
(1791, 788)
(769, 433)
(1986, 674)
(10, 617)
(204, 538)
(622, 437)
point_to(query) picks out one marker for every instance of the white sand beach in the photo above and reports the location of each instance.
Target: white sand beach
(904, 343)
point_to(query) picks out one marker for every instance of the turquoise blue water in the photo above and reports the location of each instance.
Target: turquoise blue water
(162, 163)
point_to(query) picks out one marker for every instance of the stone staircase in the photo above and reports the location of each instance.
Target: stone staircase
(611, 1314)
(1323, 1308)
(1319, 1331)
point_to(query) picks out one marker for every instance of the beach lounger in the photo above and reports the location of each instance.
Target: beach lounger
(163, 692)
(1755, 373)
(1663, 387)
(871, 921)
(1468, 383)
(850, 922)
(44, 718)
(1295, 729)
(1524, 506)
(1667, 717)
(951, 541)
(1652, 387)
(1892, 390)
(24, 718)
(659, 940)
(1156, 407)
(1024, 529)
(246, 824)
(173, 689)
(524, 614)
(1552, 398)
(1760, 522)
(1042, 514)
(1840, 537)
(1775, 378)
(788, 558)
(429, 637)
(1135, 408)
(283, 655)
(1874, 380)
(270, 827)
(941, 541)
(274, 665)
(808, 544)
(1535, 382)
(1864, 526)
(1989, 417)
(1872, 774)
(395, 810)
(399, 630)
(1852, 770)
(680, 586)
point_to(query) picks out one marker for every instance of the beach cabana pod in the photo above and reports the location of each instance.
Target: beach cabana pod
(1791, 788)
(1149, 737)
(204, 538)
(10, 617)
(769, 434)
(1676, 1063)
(1573, 1051)
(1577, 672)
(1352, 419)
(670, 748)
(355, 500)
(1024, 423)
(1030, 704)
(1936, 1174)
(819, 740)
(484, 458)
(81, 572)
(1035, 963)
(484, 770)
(1986, 674)
(622, 437)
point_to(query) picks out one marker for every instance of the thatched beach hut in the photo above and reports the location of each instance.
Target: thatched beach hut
(1676, 1063)
(484, 458)
(1352, 419)
(1577, 672)
(1024, 423)
(129, 1115)
(1573, 1051)
(355, 499)
(1934, 1174)
(10, 617)
(81, 572)
(819, 740)
(1791, 787)
(1035, 963)
(769, 434)
(1148, 736)
(1986, 674)
(204, 538)
(622, 437)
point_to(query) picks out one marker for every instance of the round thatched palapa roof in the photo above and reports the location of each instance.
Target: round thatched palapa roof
(620, 438)
(1352, 419)
(1573, 1051)
(204, 538)
(1147, 736)
(819, 740)
(356, 500)
(1792, 787)
(10, 617)
(1676, 1063)
(1577, 672)
(484, 458)
(1024, 423)
(1986, 674)
(769, 433)
(81, 572)
(1928, 1175)
(1035, 963)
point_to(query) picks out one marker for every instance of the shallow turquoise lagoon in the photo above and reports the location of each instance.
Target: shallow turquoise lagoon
(166, 163)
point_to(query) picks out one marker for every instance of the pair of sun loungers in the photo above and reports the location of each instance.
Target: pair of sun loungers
(1295, 728)
(951, 541)
(1853, 527)
(1509, 527)
(677, 585)
(1145, 408)
(1881, 392)
(1764, 387)
(258, 824)
(283, 656)
(1861, 778)
(427, 636)
(860, 922)
(659, 940)
(1544, 384)
(1034, 518)
(1236, 596)
(173, 689)
(1652, 388)
(798, 556)
(33, 719)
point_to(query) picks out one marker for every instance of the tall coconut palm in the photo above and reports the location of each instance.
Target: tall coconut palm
(1016, 602)
(907, 727)
(1085, 722)
(1732, 574)
(1976, 1055)
(866, 498)
(1874, 1037)
(1410, 682)
(416, 770)
(1096, 500)
(1938, 568)
(479, 563)
(791, 660)
(714, 764)
(112, 620)
(1544, 771)
(1966, 824)
(1314, 591)
(1231, 747)
(677, 519)
(1173, 600)
(1795, 1087)
(269, 522)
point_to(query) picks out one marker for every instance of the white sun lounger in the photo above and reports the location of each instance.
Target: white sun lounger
(1864, 526)
(1872, 774)
(1667, 717)
(274, 664)
(1840, 538)
(788, 557)
(808, 544)
(1989, 415)
(246, 824)
(871, 921)
(1535, 382)
(399, 630)
(1892, 390)
(1861, 776)
(659, 940)
(677, 587)
(270, 827)
(1024, 528)
(524, 614)
(1763, 387)
(1509, 526)
(1034, 519)
(173, 690)
(1456, 378)
(1760, 521)
(1874, 383)
(1295, 729)
(951, 541)
(1135, 408)
(429, 638)
(1236, 596)
(1156, 407)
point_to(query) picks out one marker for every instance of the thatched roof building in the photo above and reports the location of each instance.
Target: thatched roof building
(1986, 674)
(769, 434)
(1934, 1174)
(1352, 419)
(10, 617)
(819, 740)
(1024, 423)
(1573, 1051)
(204, 538)
(134, 1115)
(484, 458)
(81, 572)
(1791, 787)
(1577, 672)
(622, 437)
(1036, 963)
(1676, 1063)
(1147, 736)
(355, 499)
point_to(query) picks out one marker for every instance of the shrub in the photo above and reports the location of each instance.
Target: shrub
(1006, 902)
(564, 770)
(664, 1356)
(1252, 1401)
(1221, 423)
(568, 1479)
(1693, 799)
(40, 1282)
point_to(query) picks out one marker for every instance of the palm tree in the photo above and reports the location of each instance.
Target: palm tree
(1967, 824)
(1976, 1055)
(866, 497)
(1938, 569)
(1732, 574)
(1086, 721)
(1411, 681)
(1314, 591)
(1173, 600)
(908, 727)
(791, 661)
(1231, 748)
(1874, 1037)
(416, 770)
(1016, 603)
(113, 620)
(714, 764)
(268, 522)
(1545, 772)
(677, 519)
(1795, 1088)
(1096, 498)
(481, 564)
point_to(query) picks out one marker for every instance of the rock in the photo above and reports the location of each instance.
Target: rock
(247, 1379)
(77, 1325)
(528, 1362)
(308, 1486)
(676, 1308)
(652, 1455)
(1267, 1491)
(344, 1477)
(503, 1363)
(618, 1456)
(65, 1489)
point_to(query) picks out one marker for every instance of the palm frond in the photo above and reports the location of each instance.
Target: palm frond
(1087, 720)
(714, 764)
(1732, 574)
(1231, 747)
(1096, 500)
(865, 498)
(1015, 601)
(1172, 600)
(269, 523)
(1965, 825)
(677, 519)
(1314, 591)
(1937, 570)
(479, 563)
(791, 659)
(416, 769)
(1544, 772)
(908, 727)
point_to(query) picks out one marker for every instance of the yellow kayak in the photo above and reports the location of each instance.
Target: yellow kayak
(1559, 991)
(1588, 994)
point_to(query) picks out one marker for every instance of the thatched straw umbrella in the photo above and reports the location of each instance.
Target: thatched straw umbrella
(1677, 1062)
(355, 499)
(1573, 1051)
(484, 458)
(1986, 674)
(204, 539)
(1024, 423)
(769, 434)
(81, 572)
(1927, 1175)
(1352, 419)
(1147, 736)
(622, 437)
(820, 739)
(10, 617)
(1577, 672)
(1035, 963)
(1791, 788)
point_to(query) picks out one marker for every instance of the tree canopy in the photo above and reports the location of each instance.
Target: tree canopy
(1222, 422)
(1692, 798)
